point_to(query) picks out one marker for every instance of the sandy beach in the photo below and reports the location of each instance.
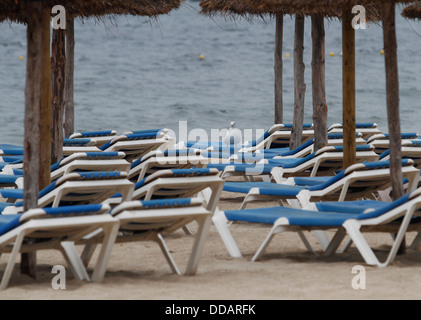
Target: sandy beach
(286, 271)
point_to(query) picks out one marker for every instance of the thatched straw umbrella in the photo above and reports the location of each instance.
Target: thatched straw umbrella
(412, 12)
(341, 9)
(36, 14)
(278, 8)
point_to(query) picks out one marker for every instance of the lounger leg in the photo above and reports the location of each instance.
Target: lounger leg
(199, 242)
(322, 238)
(275, 229)
(221, 224)
(252, 195)
(353, 229)
(347, 245)
(110, 234)
(87, 253)
(187, 231)
(10, 265)
(415, 245)
(335, 242)
(167, 254)
(306, 243)
(73, 260)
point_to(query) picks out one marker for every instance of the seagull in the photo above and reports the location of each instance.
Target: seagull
(233, 137)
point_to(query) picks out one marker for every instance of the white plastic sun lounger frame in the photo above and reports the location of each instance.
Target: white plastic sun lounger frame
(103, 188)
(351, 227)
(191, 184)
(72, 229)
(366, 132)
(352, 174)
(279, 174)
(155, 222)
(156, 159)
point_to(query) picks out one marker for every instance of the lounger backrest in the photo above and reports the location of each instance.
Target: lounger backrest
(364, 166)
(173, 173)
(79, 142)
(92, 134)
(91, 175)
(157, 203)
(128, 137)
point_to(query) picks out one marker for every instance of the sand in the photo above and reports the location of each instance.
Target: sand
(286, 271)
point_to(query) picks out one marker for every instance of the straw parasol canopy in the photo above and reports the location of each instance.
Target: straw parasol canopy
(412, 12)
(15, 10)
(327, 8)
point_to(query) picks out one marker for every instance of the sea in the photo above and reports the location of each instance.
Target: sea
(134, 73)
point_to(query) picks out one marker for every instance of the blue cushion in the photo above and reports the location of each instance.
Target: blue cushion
(12, 193)
(13, 159)
(159, 203)
(12, 151)
(350, 206)
(191, 172)
(90, 134)
(102, 155)
(304, 218)
(76, 142)
(73, 210)
(8, 179)
(245, 187)
(8, 222)
(310, 181)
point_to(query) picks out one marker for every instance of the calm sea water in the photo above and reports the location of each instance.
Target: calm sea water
(133, 73)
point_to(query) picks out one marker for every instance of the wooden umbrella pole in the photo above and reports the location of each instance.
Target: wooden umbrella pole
(299, 84)
(348, 88)
(69, 118)
(278, 68)
(32, 120)
(58, 58)
(45, 110)
(392, 97)
(318, 81)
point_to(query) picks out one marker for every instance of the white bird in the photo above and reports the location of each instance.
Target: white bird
(233, 137)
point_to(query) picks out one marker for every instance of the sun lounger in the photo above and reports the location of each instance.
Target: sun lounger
(57, 228)
(275, 135)
(325, 161)
(167, 159)
(393, 217)
(82, 161)
(136, 145)
(154, 219)
(366, 129)
(362, 180)
(71, 189)
(381, 142)
(177, 183)
(101, 137)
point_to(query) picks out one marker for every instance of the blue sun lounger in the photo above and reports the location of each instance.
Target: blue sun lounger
(357, 181)
(166, 159)
(77, 162)
(57, 228)
(323, 162)
(271, 138)
(177, 183)
(151, 220)
(393, 217)
(71, 189)
(137, 145)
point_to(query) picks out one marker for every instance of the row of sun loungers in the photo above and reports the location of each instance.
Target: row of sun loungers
(112, 188)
